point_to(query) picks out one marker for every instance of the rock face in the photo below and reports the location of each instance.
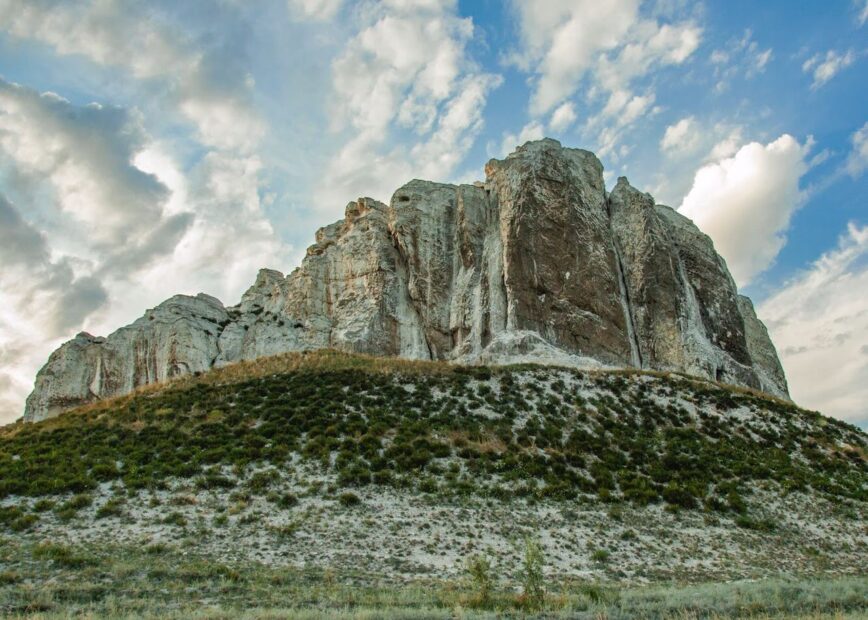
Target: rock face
(539, 263)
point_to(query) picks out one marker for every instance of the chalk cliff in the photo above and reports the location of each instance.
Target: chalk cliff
(539, 263)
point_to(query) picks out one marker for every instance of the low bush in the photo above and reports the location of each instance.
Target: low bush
(174, 518)
(349, 499)
(479, 569)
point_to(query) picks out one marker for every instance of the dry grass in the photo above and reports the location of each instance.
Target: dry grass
(330, 360)
(322, 360)
(488, 445)
(51, 581)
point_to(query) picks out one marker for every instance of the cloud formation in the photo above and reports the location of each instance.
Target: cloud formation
(561, 40)
(824, 67)
(210, 88)
(85, 153)
(608, 47)
(819, 322)
(41, 299)
(680, 138)
(532, 131)
(128, 226)
(744, 203)
(857, 160)
(563, 117)
(41, 290)
(317, 10)
(406, 71)
(740, 57)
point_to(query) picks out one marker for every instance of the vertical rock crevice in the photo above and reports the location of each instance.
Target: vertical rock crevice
(635, 348)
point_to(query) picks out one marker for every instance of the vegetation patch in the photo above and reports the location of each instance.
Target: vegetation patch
(157, 581)
(521, 431)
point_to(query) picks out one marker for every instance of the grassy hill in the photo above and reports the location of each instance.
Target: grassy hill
(383, 471)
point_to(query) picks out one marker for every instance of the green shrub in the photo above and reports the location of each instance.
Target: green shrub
(9, 577)
(174, 518)
(61, 555)
(286, 500)
(285, 531)
(214, 481)
(43, 505)
(112, 508)
(479, 568)
(532, 577)
(156, 549)
(69, 509)
(762, 524)
(262, 480)
(22, 523)
(677, 495)
(9, 514)
(600, 555)
(77, 502)
(349, 499)
(593, 593)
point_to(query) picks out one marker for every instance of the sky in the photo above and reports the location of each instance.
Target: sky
(161, 147)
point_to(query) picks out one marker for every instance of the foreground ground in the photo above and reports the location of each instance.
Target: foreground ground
(50, 580)
(329, 484)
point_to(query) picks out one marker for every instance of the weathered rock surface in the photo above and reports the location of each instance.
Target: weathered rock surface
(177, 337)
(538, 263)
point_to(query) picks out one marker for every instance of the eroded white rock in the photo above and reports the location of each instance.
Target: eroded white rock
(538, 264)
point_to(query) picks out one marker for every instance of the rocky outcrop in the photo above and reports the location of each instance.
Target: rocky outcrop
(177, 337)
(538, 263)
(764, 357)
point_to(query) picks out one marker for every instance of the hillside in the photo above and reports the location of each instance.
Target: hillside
(397, 470)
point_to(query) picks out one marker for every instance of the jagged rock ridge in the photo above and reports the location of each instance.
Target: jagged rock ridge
(539, 263)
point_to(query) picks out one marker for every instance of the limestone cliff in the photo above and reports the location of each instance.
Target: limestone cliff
(538, 263)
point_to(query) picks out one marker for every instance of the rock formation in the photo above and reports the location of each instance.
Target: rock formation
(539, 263)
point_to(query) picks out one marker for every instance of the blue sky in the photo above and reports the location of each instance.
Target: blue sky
(151, 148)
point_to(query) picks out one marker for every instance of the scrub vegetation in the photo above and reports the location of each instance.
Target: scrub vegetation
(432, 428)
(335, 485)
(50, 580)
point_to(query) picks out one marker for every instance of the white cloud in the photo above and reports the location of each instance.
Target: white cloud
(672, 176)
(532, 131)
(41, 299)
(407, 67)
(648, 44)
(622, 109)
(680, 138)
(745, 202)
(824, 67)
(86, 154)
(211, 91)
(229, 238)
(403, 65)
(727, 146)
(319, 10)
(857, 161)
(563, 117)
(561, 40)
(819, 322)
(741, 57)
(863, 13)
(761, 60)
(43, 290)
